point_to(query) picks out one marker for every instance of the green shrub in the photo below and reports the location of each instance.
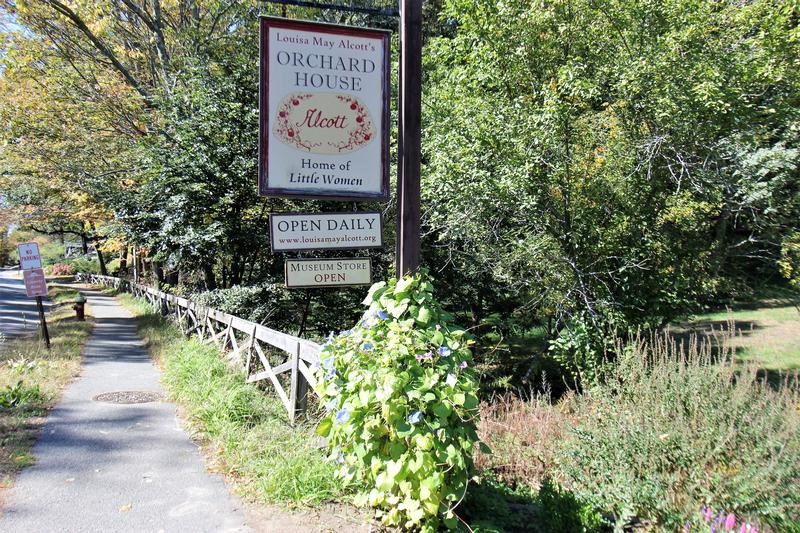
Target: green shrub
(668, 432)
(492, 506)
(85, 264)
(583, 347)
(21, 395)
(257, 303)
(402, 406)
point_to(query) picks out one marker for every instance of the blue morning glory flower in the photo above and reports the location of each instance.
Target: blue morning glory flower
(342, 416)
(331, 405)
(380, 314)
(344, 332)
(367, 346)
(414, 417)
(327, 363)
(340, 459)
(444, 351)
(331, 373)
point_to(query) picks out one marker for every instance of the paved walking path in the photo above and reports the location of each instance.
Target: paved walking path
(104, 467)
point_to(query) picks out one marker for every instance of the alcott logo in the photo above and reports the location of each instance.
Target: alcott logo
(323, 123)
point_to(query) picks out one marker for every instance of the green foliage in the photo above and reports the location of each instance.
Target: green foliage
(623, 158)
(258, 303)
(492, 507)
(668, 432)
(85, 264)
(402, 405)
(21, 395)
(583, 347)
(790, 260)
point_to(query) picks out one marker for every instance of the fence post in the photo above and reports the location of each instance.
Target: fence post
(298, 394)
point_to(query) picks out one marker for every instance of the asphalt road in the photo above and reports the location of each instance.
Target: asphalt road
(106, 467)
(18, 313)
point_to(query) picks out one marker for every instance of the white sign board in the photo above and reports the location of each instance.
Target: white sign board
(324, 111)
(309, 273)
(35, 282)
(29, 256)
(294, 232)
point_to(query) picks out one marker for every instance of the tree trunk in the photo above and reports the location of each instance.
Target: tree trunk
(123, 261)
(159, 272)
(210, 278)
(84, 244)
(100, 259)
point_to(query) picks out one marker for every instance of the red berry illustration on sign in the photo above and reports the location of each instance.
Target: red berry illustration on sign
(323, 123)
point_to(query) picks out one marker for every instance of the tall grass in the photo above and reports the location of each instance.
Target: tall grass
(670, 428)
(245, 427)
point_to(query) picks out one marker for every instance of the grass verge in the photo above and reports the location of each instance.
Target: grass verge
(244, 427)
(32, 378)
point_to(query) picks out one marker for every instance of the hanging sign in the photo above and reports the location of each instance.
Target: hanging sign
(324, 111)
(294, 232)
(29, 256)
(35, 283)
(310, 273)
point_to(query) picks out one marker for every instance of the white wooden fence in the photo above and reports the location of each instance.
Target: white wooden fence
(261, 352)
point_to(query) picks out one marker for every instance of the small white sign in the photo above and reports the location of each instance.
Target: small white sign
(311, 273)
(29, 257)
(294, 232)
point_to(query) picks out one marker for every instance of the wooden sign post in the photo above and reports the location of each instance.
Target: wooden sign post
(409, 138)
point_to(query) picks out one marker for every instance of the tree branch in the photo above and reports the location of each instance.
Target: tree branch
(101, 47)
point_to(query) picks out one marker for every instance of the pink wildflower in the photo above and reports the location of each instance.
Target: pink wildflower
(730, 522)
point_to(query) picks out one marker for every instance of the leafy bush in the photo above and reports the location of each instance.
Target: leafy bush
(257, 303)
(494, 507)
(669, 431)
(85, 264)
(402, 405)
(583, 347)
(21, 395)
(62, 269)
(790, 260)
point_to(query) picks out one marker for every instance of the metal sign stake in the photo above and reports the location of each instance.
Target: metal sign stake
(43, 321)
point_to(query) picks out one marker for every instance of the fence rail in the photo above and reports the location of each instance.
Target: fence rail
(248, 345)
